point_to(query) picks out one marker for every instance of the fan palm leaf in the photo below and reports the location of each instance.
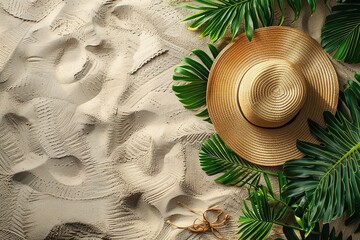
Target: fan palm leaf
(341, 32)
(257, 222)
(215, 17)
(216, 157)
(329, 176)
(194, 76)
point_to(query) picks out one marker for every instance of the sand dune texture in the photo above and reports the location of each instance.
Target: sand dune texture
(93, 142)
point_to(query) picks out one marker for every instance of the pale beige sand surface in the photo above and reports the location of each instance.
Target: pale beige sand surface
(93, 142)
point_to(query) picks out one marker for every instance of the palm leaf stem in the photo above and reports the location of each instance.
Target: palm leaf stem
(286, 225)
(283, 203)
(352, 150)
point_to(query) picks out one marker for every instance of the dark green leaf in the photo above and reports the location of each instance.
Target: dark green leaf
(257, 222)
(216, 157)
(213, 50)
(214, 17)
(249, 25)
(236, 24)
(312, 4)
(203, 57)
(296, 7)
(329, 176)
(193, 77)
(281, 7)
(341, 32)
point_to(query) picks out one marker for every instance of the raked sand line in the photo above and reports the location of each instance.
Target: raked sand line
(29, 11)
(70, 171)
(93, 142)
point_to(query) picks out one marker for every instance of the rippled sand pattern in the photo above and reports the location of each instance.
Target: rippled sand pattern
(93, 142)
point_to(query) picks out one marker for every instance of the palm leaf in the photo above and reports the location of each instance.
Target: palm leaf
(256, 223)
(329, 177)
(194, 76)
(216, 157)
(341, 32)
(215, 17)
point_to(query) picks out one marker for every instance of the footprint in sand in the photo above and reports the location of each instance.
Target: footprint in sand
(67, 171)
(56, 67)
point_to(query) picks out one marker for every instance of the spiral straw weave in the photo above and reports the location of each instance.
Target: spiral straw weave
(261, 93)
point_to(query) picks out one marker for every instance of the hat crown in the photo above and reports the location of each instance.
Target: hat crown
(271, 93)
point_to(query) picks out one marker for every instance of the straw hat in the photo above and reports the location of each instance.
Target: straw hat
(261, 93)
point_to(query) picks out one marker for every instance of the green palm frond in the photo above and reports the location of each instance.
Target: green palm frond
(256, 223)
(195, 75)
(341, 32)
(323, 234)
(329, 176)
(215, 17)
(216, 157)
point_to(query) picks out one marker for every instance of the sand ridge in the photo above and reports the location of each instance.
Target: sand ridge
(93, 142)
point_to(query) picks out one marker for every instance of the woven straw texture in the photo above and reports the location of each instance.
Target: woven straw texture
(261, 93)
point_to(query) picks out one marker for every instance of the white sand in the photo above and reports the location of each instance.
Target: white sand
(93, 141)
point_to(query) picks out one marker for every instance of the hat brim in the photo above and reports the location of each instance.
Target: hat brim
(270, 146)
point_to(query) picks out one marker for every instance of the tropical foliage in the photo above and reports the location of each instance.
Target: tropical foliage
(317, 188)
(322, 185)
(267, 209)
(258, 222)
(341, 32)
(216, 157)
(214, 17)
(194, 75)
(328, 178)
